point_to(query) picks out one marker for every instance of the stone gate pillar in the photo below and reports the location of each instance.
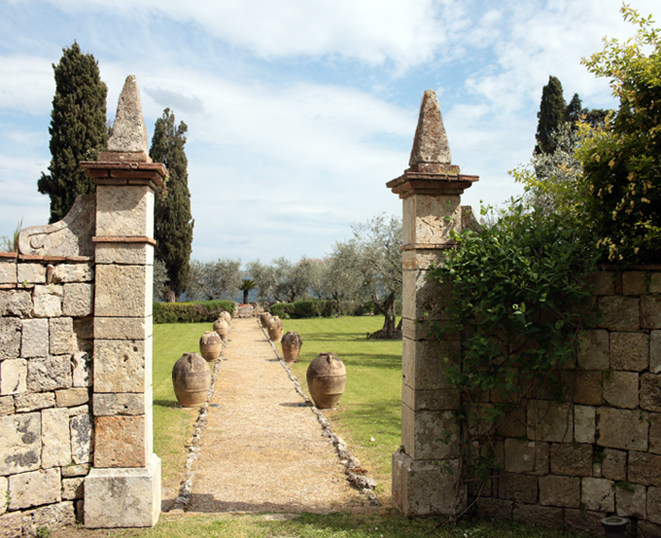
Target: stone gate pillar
(431, 191)
(124, 487)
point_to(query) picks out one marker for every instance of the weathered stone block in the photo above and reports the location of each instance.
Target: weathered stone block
(630, 351)
(121, 404)
(526, 456)
(519, 488)
(120, 441)
(82, 369)
(423, 364)
(53, 516)
(51, 373)
(621, 428)
(655, 282)
(655, 352)
(73, 488)
(56, 439)
(550, 421)
(33, 401)
(602, 283)
(15, 303)
(414, 330)
(593, 350)
(598, 494)
(634, 283)
(7, 271)
(4, 492)
(645, 469)
(13, 376)
(34, 489)
(31, 273)
(61, 336)
(653, 507)
(614, 465)
(124, 253)
(10, 338)
(512, 424)
(71, 471)
(584, 522)
(650, 312)
(619, 313)
(122, 328)
(72, 397)
(78, 300)
(560, 491)
(584, 424)
(73, 272)
(588, 389)
(489, 507)
(6, 405)
(655, 433)
(81, 438)
(47, 301)
(11, 524)
(542, 516)
(422, 296)
(630, 501)
(34, 338)
(621, 389)
(571, 460)
(650, 392)
(122, 291)
(120, 366)
(122, 211)
(422, 259)
(425, 219)
(123, 497)
(429, 435)
(80, 410)
(646, 528)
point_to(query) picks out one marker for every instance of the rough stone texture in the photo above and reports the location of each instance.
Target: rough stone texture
(621, 389)
(619, 313)
(560, 491)
(584, 522)
(645, 469)
(518, 488)
(621, 428)
(430, 297)
(71, 471)
(81, 438)
(425, 220)
(571, 460)
(72, 488)
(655, 352)
(120, 365)
(614, 465)
(80, 410)
(428, 435)
(655, 433)
(650, 392)
(34, 488)
(513, 423)
(430, 144)
(75, 272)
(630, 351)
(589, 387)
(120, 441)
(6, 405)
(584, 425)
(650, 312)
(120, 404)
(122, 328)
(78, 300)
(61, 336)
(123, 211)
(648, 530)
(125, 253)
(543, 516)
(494, 508)
(11, 524)
(20, 443)
(15, 302)
(10, 338)
(526, 456)
(634, 283)
(34, 338)
(13, 376)
(653, 508)
(630, 501)
(129, 133)
(550, 421)
(72, 397)
(121, 291)
(4, 490)
(31, 273)
(31, 401)
(598, 494)
(422, 366)
(51, 373)
(7, 271)
(53, 516)
(47, 301)
(55, 438)
(82, 369)
(123, 497)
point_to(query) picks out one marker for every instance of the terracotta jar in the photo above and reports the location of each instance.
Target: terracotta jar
(278, 322)
(211, 344)
(222, 328)
(226, 316)
(291, 346)
(191, 378)
(264, 318)
(326, 378)
(274, 329)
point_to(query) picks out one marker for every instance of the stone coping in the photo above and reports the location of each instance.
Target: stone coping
(124, 239)
(126, 173)
(411, 183)
(38, 258)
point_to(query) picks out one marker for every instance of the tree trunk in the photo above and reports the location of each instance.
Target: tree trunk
(172, 298)
(245, 296)
(389, 331)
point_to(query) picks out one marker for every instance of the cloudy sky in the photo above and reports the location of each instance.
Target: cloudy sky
(299, 111)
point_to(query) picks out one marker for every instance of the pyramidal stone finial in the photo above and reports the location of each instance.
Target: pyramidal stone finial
(430, 145)
(128, 142)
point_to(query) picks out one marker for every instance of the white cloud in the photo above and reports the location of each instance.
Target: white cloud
(27, 84)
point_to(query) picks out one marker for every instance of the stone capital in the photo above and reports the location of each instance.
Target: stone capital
(449, 182)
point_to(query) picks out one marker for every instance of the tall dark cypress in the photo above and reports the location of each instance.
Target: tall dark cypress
(552, 113)
(173, 223)
(78, 129)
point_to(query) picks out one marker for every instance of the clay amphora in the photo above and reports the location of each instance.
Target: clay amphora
(210, 346)
(275, 330)
(291, 346)
(278, 321)
(326, 378)
(264, 318)
(226, 316)
(191, 378)
(222, 328)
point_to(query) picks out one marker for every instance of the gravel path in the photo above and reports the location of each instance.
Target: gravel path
(263, 448)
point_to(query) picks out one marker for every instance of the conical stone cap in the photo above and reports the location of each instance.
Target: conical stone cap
(129, 134)
(430, 145)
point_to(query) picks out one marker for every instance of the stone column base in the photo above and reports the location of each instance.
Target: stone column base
(129, 497)
(423, 488)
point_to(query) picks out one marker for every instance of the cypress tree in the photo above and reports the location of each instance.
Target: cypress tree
(574, 111)
(552, 113)
(173, 224)
(78, 129)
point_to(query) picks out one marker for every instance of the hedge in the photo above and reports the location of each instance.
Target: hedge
(193, 312)
(315, 308)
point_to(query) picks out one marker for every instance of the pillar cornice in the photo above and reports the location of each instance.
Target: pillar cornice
(126, 173)
(430, 183)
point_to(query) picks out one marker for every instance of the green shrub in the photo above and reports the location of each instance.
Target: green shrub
(279, 309)
(194, 312)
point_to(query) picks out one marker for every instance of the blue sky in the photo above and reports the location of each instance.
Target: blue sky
(299, 111)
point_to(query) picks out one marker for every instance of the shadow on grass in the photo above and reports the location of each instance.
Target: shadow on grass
(166, 403)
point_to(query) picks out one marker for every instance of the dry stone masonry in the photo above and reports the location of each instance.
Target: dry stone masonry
(75, 351)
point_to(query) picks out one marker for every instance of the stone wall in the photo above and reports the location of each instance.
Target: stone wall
(599, 452)
(46, 307)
